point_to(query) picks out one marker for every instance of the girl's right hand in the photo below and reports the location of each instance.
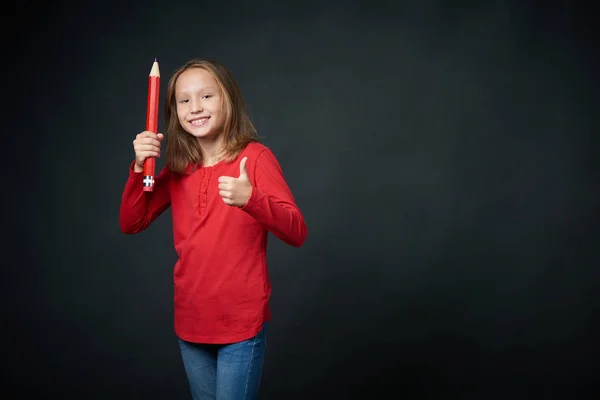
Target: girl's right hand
(146, 144)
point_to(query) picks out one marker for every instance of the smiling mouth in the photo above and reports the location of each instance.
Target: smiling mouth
(199, 121)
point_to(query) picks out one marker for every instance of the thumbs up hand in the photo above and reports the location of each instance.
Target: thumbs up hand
(236, 191)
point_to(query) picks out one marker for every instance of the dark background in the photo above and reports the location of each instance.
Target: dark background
(444, 155)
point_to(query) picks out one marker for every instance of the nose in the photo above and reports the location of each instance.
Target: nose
(196, 106)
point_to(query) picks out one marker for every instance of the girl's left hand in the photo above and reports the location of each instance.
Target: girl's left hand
(236, 191)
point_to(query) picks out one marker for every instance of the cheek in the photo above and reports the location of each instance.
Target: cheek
(220, 121)
(180, 113)
(222, 112)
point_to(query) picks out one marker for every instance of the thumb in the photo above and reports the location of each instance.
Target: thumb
(160, 136)
(243, 172)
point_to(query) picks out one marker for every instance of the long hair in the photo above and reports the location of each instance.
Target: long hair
(182, 148)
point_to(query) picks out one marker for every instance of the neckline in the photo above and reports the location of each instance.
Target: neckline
(212, 166)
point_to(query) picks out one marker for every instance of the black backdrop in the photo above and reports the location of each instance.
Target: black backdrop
(443, 153)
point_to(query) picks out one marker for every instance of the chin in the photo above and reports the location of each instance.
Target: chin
(202, 134)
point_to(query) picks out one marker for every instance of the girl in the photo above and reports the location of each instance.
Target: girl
(226, 191)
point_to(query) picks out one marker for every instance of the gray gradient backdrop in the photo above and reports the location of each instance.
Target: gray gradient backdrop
(444, 155)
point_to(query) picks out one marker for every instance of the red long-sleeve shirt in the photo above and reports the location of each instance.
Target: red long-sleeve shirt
(221, 282)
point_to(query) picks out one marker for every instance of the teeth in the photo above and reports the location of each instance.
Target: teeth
(199, 121)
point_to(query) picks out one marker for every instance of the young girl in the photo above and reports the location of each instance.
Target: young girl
(226, 191)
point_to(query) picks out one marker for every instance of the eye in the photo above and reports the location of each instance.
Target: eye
(184, 101)
(207, 96)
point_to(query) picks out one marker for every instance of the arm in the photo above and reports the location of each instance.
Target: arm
(138, 208)
(272, 204)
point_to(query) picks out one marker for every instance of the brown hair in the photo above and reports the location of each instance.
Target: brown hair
(182, 148)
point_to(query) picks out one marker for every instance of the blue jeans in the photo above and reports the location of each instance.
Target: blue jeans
(224, 371)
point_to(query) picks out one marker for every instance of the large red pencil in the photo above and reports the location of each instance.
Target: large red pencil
(152, 123)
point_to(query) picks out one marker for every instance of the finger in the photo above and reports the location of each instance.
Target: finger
(147, 154)
(146, 147)
(224, 186)
(161, 136)
(243, 167)
(146, 142)
(154, 142)
(225, 179)
(147, 134)
(225, 194)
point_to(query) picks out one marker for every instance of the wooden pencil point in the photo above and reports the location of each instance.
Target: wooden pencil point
(155, 71)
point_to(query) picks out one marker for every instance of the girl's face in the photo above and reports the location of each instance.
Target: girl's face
(199, 103)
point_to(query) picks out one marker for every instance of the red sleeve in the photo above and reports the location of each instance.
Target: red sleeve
(272, 203)
(138, 208)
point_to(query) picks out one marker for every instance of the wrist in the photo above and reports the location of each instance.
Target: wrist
(248, 197)
(137, 168)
